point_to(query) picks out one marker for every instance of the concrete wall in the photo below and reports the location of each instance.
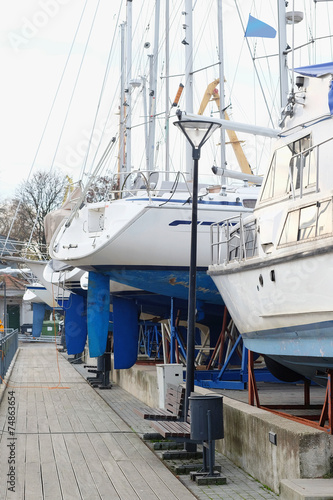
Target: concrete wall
(141, 381)
(300, 451)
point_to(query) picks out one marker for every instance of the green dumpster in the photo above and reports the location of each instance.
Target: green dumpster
(49, 327)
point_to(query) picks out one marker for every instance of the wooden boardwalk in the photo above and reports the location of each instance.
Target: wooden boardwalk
(61, 441)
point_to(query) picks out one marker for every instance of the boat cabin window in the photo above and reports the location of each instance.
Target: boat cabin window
(292, 166)
(308, 222)
(302, 166)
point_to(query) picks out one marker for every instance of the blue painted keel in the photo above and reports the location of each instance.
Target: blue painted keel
(125, 333)
(98, 313)
(38, 310)
(167, 282)
(75, 324)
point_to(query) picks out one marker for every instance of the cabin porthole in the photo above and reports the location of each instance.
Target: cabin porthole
(261, 280)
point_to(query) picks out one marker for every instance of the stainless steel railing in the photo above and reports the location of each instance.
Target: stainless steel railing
(231, 239)
(8, 348)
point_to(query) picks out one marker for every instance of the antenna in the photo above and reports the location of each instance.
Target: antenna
(293, 17)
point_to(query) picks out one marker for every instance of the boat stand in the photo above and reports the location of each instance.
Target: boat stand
(103, 370)
(232, 378)
(316, 421)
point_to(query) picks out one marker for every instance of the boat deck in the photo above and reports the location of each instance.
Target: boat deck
(65, 442)
(72, 442)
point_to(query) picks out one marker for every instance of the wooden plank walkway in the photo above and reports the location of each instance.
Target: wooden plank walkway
(61, 441)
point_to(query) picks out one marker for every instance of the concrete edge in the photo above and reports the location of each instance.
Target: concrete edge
(306, 489)
(300, 451)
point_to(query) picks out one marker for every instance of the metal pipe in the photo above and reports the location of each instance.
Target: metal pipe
(283, 53)
(128, 86)
(237, 126)
(121, 164)
(221, 77)
(233, 174)
(188, 40)
(153, 91)
(167, 93)
(190, 344)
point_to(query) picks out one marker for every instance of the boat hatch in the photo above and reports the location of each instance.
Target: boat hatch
(249, 202)
(96, 219)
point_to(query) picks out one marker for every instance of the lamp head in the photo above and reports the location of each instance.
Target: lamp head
(197, 132)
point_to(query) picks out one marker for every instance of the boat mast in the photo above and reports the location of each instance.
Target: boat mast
(128, 85)
(188, 41)
(152, 91)
(221, 77)
(145, 114)
(284, 88)
(167, 92)
(121, 162)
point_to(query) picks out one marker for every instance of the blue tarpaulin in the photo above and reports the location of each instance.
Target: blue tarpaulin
(125, 333)
(98, 312)
(38, 311)
(257, 28)
(75, 324)
(316, 69)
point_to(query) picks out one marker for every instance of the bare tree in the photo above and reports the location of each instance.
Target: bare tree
(34, 199)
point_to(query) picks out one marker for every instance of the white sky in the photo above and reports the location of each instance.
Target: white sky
(35, 39)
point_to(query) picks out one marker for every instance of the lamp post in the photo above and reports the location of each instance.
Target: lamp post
(197, 132)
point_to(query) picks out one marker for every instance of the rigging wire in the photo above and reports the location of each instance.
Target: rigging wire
(106, 74)
(47, 121)
(329, 29)
(70, 102)
(254, 65)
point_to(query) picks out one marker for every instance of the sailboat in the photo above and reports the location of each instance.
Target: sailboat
(140, 236)
(276, 278)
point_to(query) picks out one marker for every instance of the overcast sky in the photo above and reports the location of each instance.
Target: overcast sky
(36, 36)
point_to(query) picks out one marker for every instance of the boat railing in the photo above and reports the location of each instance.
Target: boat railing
(151, 183)
(8, 346)
(24, 250)
(136, 183)
(231, 239)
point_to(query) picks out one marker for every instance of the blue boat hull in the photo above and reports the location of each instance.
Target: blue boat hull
(164, 281)
(311, 345)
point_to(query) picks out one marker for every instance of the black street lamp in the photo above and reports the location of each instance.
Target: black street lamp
(197, 132)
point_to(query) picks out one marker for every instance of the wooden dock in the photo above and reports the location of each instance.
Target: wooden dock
(61, 441)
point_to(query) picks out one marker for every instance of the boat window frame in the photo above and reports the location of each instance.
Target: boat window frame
(296, 213)
(297, 154)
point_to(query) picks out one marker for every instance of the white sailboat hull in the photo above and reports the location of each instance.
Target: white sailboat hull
(145, 244)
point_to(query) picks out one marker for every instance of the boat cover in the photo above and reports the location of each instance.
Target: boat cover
(125, 333)
(98, 313)
(75, 324)
(38, 318)
(316, 70)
